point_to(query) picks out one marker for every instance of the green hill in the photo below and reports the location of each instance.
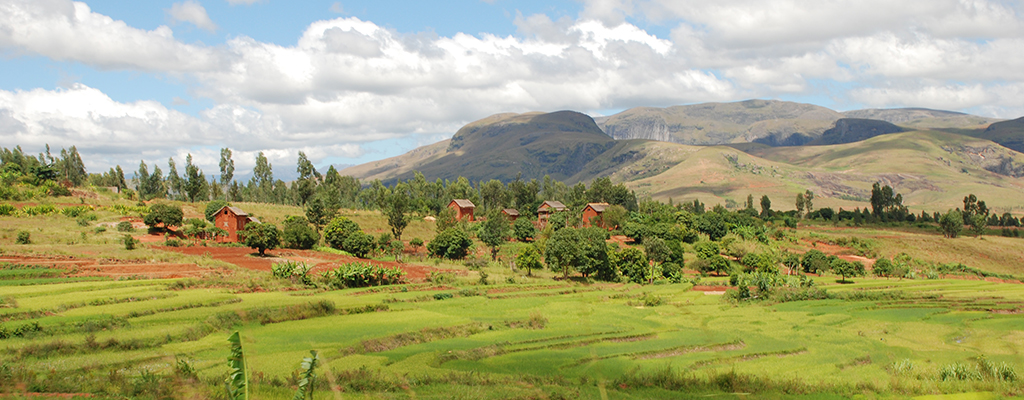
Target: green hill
(922, 118)
(1007, 133)
(768, 121)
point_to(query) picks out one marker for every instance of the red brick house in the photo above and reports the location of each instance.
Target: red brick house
(463, 208)
(592, 215)
(546, 209)
(232, 220)
(511, 213)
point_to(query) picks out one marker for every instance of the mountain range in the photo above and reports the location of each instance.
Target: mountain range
(721, 152)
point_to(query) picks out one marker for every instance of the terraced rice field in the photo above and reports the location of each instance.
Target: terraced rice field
(545, 340)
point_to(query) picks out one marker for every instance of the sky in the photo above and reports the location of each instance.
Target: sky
(347, 82)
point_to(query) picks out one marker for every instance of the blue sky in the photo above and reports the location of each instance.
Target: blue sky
(348, 82)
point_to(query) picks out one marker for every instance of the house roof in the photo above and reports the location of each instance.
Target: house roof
(463, 203)
(557, 205)
(599, 207)
(234, 210)
(511, 212)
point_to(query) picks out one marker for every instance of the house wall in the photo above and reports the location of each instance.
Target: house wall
(589, 213)
(230, 222)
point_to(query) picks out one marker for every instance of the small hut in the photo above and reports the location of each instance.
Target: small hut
(463, 208)
(593, 214)
(232, 220)
(546, 209)
(511, 213)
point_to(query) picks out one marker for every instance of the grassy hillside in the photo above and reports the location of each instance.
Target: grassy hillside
(933, 171)
(721, 123)
(922, 118)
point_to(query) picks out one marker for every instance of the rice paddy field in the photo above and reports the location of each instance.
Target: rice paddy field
(544, 339)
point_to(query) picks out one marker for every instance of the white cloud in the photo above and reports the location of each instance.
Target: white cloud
(244, 2)
(347, 81)
(192, 12)
(66, 31)
(337, 8)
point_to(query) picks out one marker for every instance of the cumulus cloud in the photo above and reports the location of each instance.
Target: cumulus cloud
(192, 12)
(70, 31)
(347, 81)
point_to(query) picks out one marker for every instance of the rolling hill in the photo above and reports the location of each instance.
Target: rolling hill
(933, 169)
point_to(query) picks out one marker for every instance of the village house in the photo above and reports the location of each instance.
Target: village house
(511, 213)
(463, 208)
(593, 215)
(232, 220)
(546, 209)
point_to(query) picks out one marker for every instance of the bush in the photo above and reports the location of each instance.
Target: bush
(338, 230)
(523, 230)
(814, 261)
(125, 226)
(297, 272)
(883, 267)
(362, 275)
(261, 237)
(163, 214)
(706, 249)
(359, 244)
(23, 238)
(172, 243)
(75, 211)
(453, 243)
(7, 209)
(129, 242)
(416, 242)
(298, 234)
(441, 278)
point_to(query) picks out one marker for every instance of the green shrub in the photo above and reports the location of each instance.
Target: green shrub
(23, 238)
(359, 244)
(172, 243)
(441, 278)
(298, 234)
(362, 275)
(297, 272)
(7, 209)
(212, 207)
(42, 209)
(416, 242)
(442, 296)
(453, 244)
(338, 230)
(129, 242)
(75, 211)
(125, 226)
(960, 372)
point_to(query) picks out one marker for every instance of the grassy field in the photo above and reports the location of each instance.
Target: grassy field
(516, 337)
(546, 339)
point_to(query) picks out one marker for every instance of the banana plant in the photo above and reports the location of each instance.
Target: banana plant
(306, 384)
(237, 382)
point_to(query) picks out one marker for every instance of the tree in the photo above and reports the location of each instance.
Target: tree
(395, 205)
(453, 244)
(175, 185)
(750, 202)
(563, 251)
(951, 223)
(632, 263)
(792, 261)
(523, 230)
(163, 214)
(594, 253)
(305, 186)
(298, 234)
(359, 244)
(195, 181)
(814, 261)
(809, 201)
(261, 237)
(978, 223)
(227, 166)
(766, 207)
(338, 230)
(529, 258)
(845, 268)
(212, 208)
(614, 216)
(706, 249)
(883, 267)
(318, 213)
(800, 204)
(494, 231)
(263, 178)
(656, 249)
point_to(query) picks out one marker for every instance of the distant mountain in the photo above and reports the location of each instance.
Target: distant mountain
(559, 144)
(771, 122)
(922, 118)
(1007, 133)
(849, 130)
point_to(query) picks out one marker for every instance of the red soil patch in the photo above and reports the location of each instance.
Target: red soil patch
(710, 289)
(621, 240)
(246, 258)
